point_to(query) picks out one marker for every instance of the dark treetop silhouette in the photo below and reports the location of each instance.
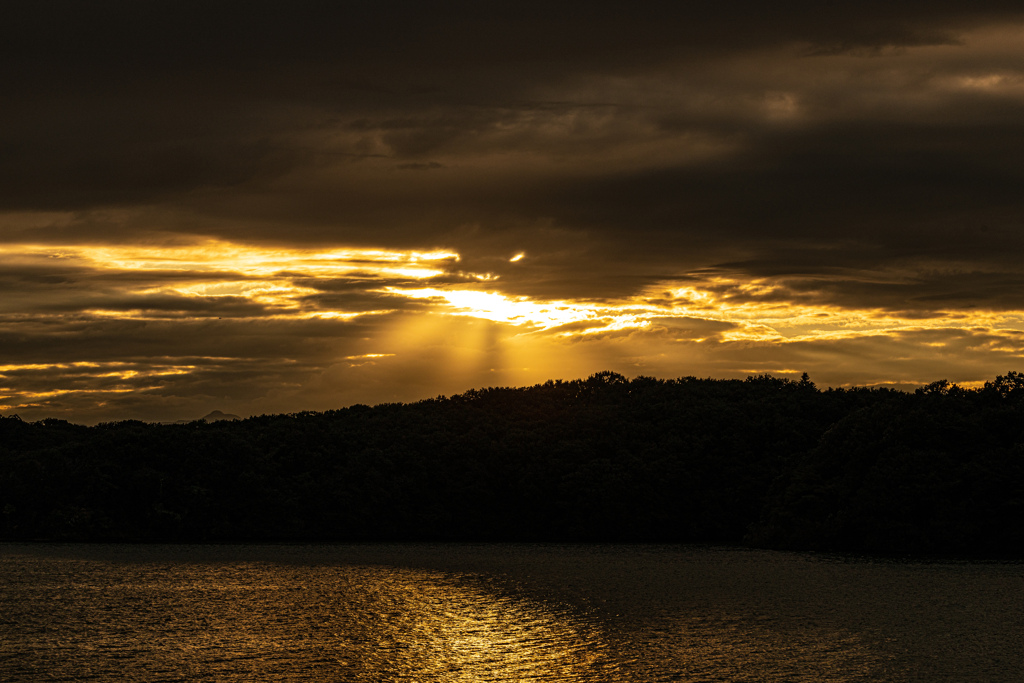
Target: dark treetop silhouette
(763, 461)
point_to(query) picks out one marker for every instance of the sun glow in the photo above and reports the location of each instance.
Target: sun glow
(274, 281)
(220, 279)
(29, 384)
(117, 369)
(385, 313)
(527, 313)
(218, 268)
(254, 261)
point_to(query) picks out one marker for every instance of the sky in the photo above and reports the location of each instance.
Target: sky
(265, 207)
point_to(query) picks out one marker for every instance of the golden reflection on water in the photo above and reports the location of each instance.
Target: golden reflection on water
(586, 615)
(428, 627)
(256, 621)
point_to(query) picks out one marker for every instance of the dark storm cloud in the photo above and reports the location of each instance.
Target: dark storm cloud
(922, 291)
(179, 369)
(860, 156)
(148, 389)
(164, 306)
(90, 340)
(125, 102)
(181, 35)
(907, 188)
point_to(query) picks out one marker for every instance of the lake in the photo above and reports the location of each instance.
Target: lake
(500, 612)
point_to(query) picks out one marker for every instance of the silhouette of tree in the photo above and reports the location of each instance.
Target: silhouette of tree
(774, 461)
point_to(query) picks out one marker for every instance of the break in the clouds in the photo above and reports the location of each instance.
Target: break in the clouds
(265, 207)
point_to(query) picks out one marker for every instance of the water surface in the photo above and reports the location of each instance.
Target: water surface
(454, 613)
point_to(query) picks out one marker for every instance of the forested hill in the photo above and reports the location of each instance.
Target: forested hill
(763, 461)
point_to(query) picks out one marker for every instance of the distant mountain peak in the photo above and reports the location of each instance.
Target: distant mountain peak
(218, 415)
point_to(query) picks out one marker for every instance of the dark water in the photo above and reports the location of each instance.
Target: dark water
(466, 613)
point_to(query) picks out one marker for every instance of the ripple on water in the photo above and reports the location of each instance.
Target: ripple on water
(82, 620)
(453, 614)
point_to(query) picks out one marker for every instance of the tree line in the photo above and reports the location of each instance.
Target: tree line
(765, 461)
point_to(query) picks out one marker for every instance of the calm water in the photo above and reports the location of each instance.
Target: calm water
(449, 613)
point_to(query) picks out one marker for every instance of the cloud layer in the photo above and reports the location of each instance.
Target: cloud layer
(191, 195)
